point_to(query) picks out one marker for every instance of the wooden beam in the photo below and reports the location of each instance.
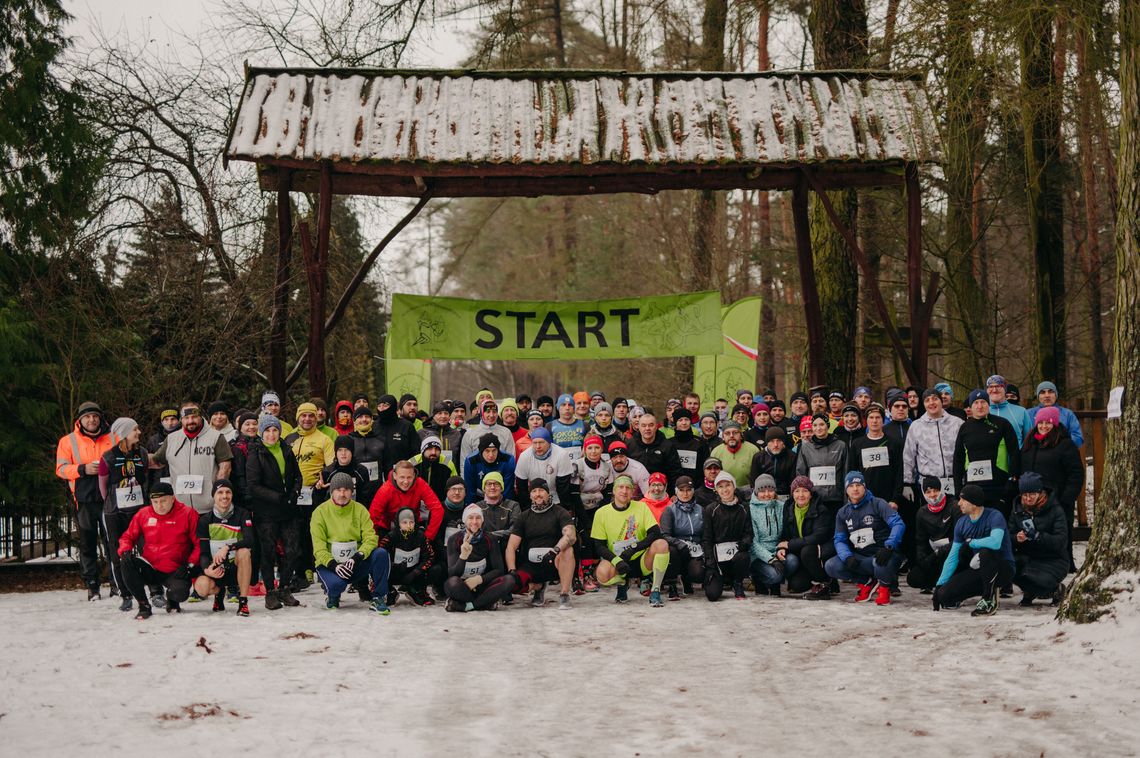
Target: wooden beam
(812, 314)
(522, 185)
(357, 279)
(914, 272)
(868, 275)
(316, 270)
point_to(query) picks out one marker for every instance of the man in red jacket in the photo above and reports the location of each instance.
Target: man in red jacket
(170, 551)
(406, 490)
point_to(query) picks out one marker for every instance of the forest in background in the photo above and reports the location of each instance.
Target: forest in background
(137, 270)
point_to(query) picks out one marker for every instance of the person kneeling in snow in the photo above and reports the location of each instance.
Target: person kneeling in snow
(867, 536)
(980, 558)
(170, 551)
(476, 578)
(412, 556)
(345, 548)
(226, 538)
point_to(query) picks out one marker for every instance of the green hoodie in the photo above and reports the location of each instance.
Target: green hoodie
(332, 523)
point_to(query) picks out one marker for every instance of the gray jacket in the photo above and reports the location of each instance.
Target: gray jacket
(829, 460)
(929, 448)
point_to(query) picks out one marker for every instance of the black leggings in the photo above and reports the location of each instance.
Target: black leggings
(924, 574)
(115, 524)
(993, 571)
(398, 577)
(268, 533)
(735, 570)
(679, 561)
(495, 586)
(138, 574)
(812, 558)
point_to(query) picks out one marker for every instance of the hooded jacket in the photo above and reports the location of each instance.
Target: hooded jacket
(342, 430)
(1048, 550)
(334, 523)
(400, 438)
(826, 456)
(119, 470)
(389, 499)
(767, 525)
(929, 448)
(862, 528)
(79, 448)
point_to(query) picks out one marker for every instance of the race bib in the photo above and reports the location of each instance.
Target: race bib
(373, 469)
(822, 476)
(189, 484)
(695, 549)
(936, 544)
(342, 551)
(574, 452)
(862, 538)
(874, 457)
(688, 459)
(165, 480)
(948, 485)
(216, 545)
(980, 471)
(622, 545)
(536, 554)
(306, 496)
(128, 497)
(590, 500)
(471, 568)
(406, 557)
(726, 550)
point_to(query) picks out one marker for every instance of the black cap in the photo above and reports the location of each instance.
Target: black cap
(219, 483)
(441, 407)
(343, 442)
(777, 403)
(488, 440)
(798, 396)
(454, 480)
(931, 483)
(359, 396)
(539, 484)
(544, 400)
(363, 410)
(973, 494)
(522, 397)
(161, 488)
(775, 433)
(683, 481)
(217, 407)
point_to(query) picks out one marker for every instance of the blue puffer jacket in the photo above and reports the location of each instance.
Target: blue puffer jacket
(682, 522)
(885, 525)
(1068, 420)
(767, 523)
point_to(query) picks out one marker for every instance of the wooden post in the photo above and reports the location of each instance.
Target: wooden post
(280, 310)
(919, 330)
(316, 266)
(812, 314)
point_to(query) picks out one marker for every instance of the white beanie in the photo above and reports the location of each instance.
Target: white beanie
(724, 476)
(472, 508)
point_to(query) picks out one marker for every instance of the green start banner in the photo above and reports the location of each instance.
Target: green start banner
(641, 327)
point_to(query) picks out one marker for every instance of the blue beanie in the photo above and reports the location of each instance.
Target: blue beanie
(563, 399)
(944, 387)
(267, 421)
(977, 395)
(541, 433)
(853, 477)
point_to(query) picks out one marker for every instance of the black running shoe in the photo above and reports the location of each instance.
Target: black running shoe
(220, 602)
(172, 606)
(144, 612)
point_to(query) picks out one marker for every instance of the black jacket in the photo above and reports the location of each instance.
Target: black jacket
(660, 455)
(690, 448)
(401, 441)
(885, 481)
(818, 528)
(726, 523)
(1048, 551)
(436, 475)
(929, 526)
(782, 467)
(270, 496)
(359, 477)
(1059, 463)
(986, 439)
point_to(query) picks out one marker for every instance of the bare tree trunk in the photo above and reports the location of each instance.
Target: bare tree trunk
(1041, 125)
(279, 316)
(839, 40)
(1113, 557)
(766, 285)
(706, 235)
(1090, 250)
(968, 306)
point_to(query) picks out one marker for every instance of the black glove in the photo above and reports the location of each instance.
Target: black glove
(623, 568)
(777, 564)
(935, 599)
(344, 570)
(194, 570)
(884, 555)
(627, 554)
(852, 563)
(548, 559)
(358, 557)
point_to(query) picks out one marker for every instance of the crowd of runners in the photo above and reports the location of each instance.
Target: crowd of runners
(490, 503)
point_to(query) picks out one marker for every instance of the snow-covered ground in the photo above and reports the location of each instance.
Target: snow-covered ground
(761, 677)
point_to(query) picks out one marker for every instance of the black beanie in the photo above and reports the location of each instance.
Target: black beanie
(219, 483)
(973, 493)
(363, 410)
(932, 483)
(343, 442)
(454, 480)
(217, 407)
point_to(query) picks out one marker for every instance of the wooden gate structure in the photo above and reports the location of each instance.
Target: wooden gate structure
(469, 133)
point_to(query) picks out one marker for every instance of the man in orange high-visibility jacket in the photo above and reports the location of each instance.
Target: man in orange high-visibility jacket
(77, 461)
